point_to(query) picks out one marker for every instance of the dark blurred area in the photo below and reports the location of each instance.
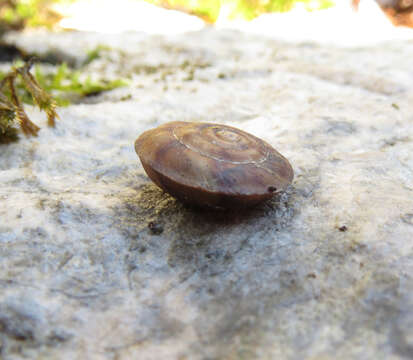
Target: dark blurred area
(15, 15)
(400, 12)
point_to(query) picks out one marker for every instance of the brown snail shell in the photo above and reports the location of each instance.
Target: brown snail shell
(212, 165)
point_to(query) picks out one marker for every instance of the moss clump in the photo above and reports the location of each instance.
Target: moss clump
(19, 86)
(11, 106)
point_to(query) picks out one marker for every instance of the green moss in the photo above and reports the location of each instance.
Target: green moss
(66, 84)
(205, 9)
(19, 86)
(11, 107)
(16, 15)
(245, 9)
(96, 53)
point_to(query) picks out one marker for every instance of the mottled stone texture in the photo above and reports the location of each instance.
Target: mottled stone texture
(97, 263)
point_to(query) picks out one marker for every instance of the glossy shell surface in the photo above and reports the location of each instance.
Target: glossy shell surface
(212, 165)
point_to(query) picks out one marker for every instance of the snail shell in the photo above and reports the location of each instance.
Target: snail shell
(212, 165)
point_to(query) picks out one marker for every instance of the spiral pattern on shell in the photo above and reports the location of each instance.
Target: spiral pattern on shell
(229, 144)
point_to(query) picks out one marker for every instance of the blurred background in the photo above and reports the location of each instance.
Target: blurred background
(341, 21)
(41, 30)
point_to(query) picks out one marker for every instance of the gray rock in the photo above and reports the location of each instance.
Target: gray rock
(322, 272)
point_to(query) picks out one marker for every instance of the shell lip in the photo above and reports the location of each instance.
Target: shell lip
(268, 190)
(201, 198)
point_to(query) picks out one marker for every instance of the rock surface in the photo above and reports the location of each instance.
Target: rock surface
(97, 263)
